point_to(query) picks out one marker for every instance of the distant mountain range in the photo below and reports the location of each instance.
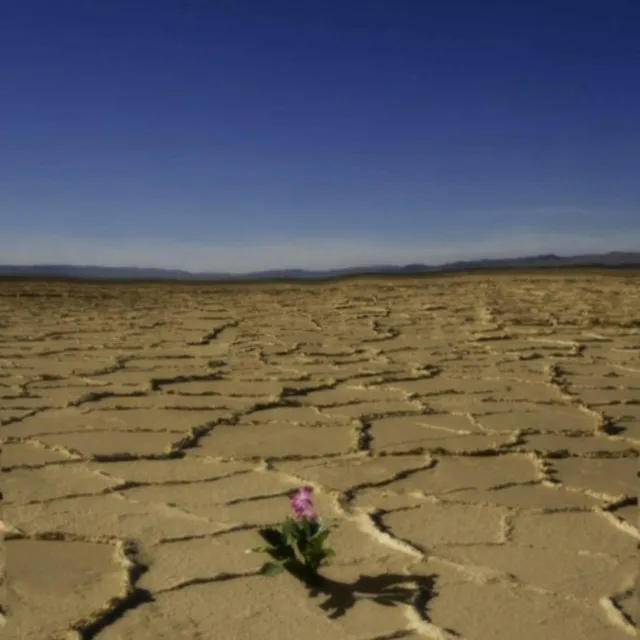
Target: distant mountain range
(615, 259)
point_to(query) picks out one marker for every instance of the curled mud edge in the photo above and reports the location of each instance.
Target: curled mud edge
(369, 522)
(617, 617)
(130, 597)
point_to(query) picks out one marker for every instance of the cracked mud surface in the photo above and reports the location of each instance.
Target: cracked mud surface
(474, 439)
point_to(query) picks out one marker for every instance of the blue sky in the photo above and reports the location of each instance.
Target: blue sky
(247, 134)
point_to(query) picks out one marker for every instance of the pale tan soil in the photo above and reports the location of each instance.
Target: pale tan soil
(475, 439)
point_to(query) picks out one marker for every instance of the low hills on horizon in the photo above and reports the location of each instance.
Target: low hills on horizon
(614, 259)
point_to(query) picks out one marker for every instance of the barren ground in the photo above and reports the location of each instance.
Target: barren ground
(474, 439)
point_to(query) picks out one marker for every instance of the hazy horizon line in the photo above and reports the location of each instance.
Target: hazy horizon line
(303, 253)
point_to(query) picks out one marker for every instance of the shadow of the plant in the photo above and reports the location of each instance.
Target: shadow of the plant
(387, 589)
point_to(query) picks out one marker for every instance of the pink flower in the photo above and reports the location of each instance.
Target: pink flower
(302, 503)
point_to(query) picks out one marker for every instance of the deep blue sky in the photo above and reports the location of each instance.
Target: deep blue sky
(245, 134)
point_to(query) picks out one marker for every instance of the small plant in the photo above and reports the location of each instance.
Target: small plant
(298, 547)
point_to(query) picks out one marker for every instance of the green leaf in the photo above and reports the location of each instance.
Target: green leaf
(298, 539)
(271, 569)
(308, 527)
(321, 536)
(329, 553)
(290, 530)
(314, 528)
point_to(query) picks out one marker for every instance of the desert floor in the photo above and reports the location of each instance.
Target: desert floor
(474, 439)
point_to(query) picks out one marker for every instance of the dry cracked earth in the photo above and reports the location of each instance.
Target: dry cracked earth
(474, 440)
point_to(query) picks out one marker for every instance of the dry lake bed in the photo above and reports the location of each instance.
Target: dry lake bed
(474, 439)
